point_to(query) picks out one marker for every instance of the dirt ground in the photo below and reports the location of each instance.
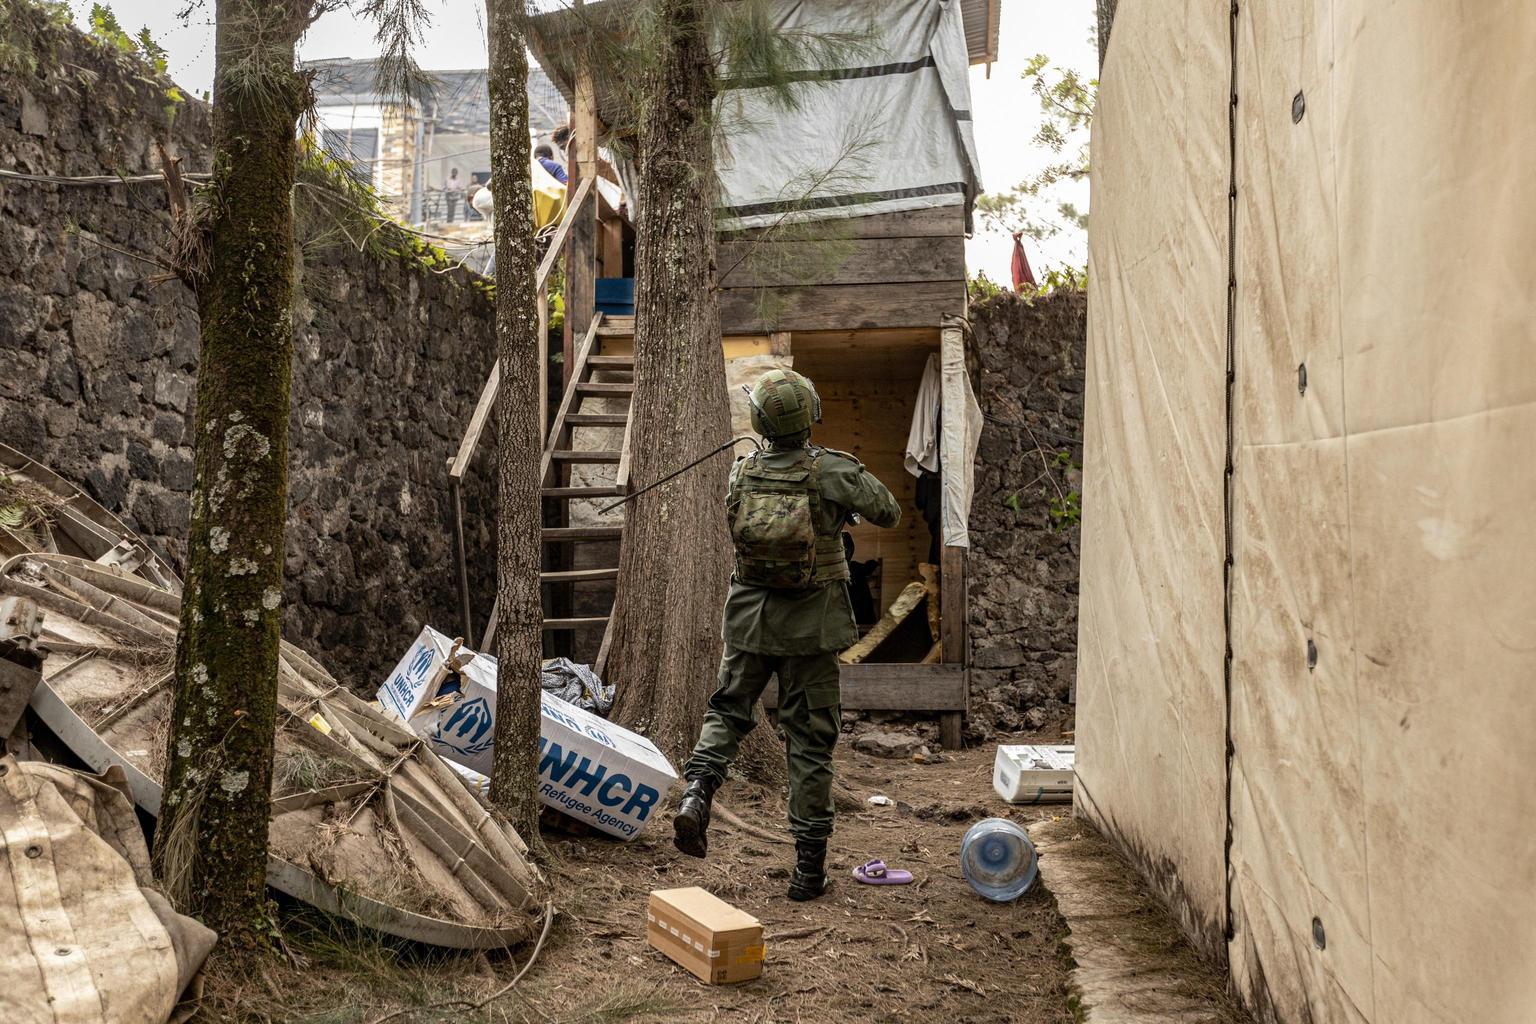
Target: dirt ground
(930, 951)
(933, 950)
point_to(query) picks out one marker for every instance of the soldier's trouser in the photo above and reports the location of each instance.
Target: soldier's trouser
(808, 711)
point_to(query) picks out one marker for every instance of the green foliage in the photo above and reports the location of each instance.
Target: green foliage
(1065, 508)
(1064, 278)
(1066, 101)
(981, 288)
(25, 25)
(107, 32)
(1066, 511)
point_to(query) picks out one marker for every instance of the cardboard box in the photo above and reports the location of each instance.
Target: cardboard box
(1034, 775)
(589, 768)
(717, 942)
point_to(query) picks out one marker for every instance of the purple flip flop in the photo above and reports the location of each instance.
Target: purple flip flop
(876, 873)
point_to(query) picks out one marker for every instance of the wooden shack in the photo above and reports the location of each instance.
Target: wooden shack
(863, 323)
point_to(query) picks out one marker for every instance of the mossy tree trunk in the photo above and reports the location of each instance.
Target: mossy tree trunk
(211, 841)
(519, 630)
(676, 554)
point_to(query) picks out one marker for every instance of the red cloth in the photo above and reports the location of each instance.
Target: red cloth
(1022, 275)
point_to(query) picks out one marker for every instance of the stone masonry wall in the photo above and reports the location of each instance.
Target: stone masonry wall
(99, 351)
(1023, 564)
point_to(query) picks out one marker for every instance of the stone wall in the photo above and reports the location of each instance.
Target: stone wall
(99, 350)
(1023, 565)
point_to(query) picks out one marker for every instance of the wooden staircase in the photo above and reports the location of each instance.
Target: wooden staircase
(564, 452)
(569, 470)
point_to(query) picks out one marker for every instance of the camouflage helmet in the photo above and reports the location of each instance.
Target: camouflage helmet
(784, 404)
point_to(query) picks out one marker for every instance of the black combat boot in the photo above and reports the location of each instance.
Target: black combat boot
(810, 878)
(690, 824)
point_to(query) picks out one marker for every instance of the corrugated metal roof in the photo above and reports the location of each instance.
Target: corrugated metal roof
(982, 18)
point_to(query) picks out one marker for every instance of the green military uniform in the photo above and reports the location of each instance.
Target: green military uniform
(793, 632)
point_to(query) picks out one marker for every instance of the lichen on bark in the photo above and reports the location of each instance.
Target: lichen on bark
(211, 841)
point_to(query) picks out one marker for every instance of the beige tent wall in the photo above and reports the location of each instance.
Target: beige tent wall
(1150, 699)
(1383, 702)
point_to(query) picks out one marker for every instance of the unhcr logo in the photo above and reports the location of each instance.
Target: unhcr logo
(468, 729)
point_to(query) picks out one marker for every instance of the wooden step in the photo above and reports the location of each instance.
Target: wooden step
(579, 575)
(611, 390)
(596, 419)
(556, 534)
(581, 492)
(617, 327)
(552, 624)
(611, 362)
(587, 458)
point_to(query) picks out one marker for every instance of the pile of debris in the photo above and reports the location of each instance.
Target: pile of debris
(367, 822)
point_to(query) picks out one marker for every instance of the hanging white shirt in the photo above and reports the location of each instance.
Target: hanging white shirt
(923, 438)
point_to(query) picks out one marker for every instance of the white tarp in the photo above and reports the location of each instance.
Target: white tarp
(1383, 600)
(883, 129)
(960, 436)
(88, 938)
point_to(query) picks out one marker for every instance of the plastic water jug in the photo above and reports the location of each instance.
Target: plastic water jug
(998, 860)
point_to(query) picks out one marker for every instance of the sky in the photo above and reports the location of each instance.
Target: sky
(1006, 113)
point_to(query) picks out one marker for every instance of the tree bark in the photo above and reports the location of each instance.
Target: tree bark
(519, 630)
(675, 558)
(1105, 9)
(211, 841)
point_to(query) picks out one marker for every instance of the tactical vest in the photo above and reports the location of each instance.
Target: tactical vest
(777, 527)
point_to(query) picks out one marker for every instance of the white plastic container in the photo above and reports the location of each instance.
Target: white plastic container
(1034, 775)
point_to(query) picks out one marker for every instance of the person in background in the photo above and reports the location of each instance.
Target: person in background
(546, 158)
(453, 189)
(485, 205)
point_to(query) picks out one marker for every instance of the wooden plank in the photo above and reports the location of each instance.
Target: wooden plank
(900, 610)
(553, 624)
(581, 256)
(555, 534)
(611, 389)
(610, 458)
(841, 307)
(854, 261)
(472, 433)
(596, 419)
(477, 420)
(621, 478)
(580, 492)
(579, 575)
(611, 244)
(611, 362)
(543, 364)
(932, 222)
(619, 327)
(953, 602)
(568, 402)
(895, 688)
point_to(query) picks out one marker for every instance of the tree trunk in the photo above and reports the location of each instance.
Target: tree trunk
(519, 629)
(1105, 10)
(676, 555)
(211, 841)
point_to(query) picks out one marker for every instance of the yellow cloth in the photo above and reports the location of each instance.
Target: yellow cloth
(548, 197)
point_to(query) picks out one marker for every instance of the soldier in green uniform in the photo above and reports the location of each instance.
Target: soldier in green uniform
(788, 614)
